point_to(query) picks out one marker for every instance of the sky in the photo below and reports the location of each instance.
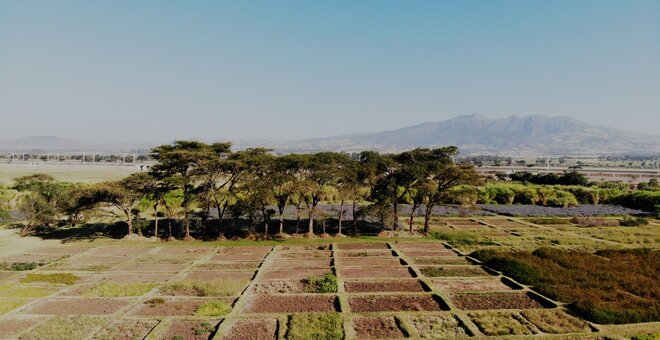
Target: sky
(153, 71)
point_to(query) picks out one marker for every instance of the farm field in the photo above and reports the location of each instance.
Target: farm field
(88, 173)
(352, 288)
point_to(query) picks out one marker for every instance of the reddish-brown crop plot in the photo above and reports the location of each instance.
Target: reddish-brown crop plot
(356, 273)
(440, 260)
(303, 254)
(59, 250)
(173, 307)
(474, 301)
(258, 329)
(190, 329)
(471, 285)
(150, 267)
(234, 265)
(126, 329)
(291, 303)
(364, 253)
(137, 278)
(377, 328)
(302, 263)
(213, 275)
(4, 275)
(247, 249)
(354, 246)
(124, 251)
(383, 286)
(11, 328)
(440, 252)
(185, 250)
(420, 246)
(37, 258)
(286, 274)
(368, 262)
(236, 257)
(100, 259)
(393, 303)
(78, 306)
(453, 271)
(280, 287)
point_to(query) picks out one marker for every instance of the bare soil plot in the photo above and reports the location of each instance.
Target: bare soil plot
(126, 329)
(61, 250)
(368, 262)
(390, 303)
(464, 221)
(440, 252)
(378, 328)
(12, 327)
(439, 326)
(303, 254)
(440, 260)
(361, 246)
(356, 273)
(190, 329)
(500, 323)
(471, 285)
(173, 307)
(302, 263)
(383, 286)
(124, 251)
(236, 257)
(291, 304)
(255, 329)
(185, 250)
(473, 301)
(364, 253)
(137, 278)
(247, 249)
(78, 306)
(150, 267)
(286, 274)
(37, 258)
(280, 287)
(213, 275)
(453, 271)
(167, 258)
(253, 265)
(4, 275)
(420, 246)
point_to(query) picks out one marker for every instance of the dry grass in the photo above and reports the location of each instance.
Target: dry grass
(62, 327)
(555, 322)
(111, 289)
(205, 288)
(500, 323)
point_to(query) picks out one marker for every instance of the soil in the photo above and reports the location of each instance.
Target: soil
(237, 257)
(123, 251)
(313, 263)
(304, 254)
(59, 250)
(254, 329)
(126, 330)
(185, 250)
(154, 267)
(228, 266)
(280, 287)
(191, 329)
(369, 262)
(4, 275)
(285, 274)
(173, 307)
(475, 284)
(353, 273)
(291, 304)
(137, 278)
(439, 252)
(420, 246)
(353, 246)
(383, 286)
(247, 249)
(212, 275)
(100, 259)
(494, 301)
(437, 260)
(377, 328)
(393, 303)
(78, 306)
(11, 328)
(38, 258)
(365, 253)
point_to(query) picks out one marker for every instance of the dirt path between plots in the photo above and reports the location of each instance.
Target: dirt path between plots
(12, 243)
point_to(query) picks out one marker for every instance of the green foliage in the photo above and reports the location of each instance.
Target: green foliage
(324, 284)
(547, 220)
(641, 199)
(19, 266)
(58, 278)
(631, 221)
(460, 238)
(650, 336)
(213, 308)
(613, 286)
(315, 326)
(111, 289)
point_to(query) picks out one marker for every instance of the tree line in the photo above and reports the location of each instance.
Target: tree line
(191, 179)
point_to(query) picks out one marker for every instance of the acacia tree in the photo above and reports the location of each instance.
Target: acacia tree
(282, 179)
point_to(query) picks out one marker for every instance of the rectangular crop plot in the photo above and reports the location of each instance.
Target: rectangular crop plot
(291, 304)
(438, 252)
(393, 303)
(262, 329)
(126, 329)
(471, 285)
(236, 257)
(364, 253)
(383, 286)
(383, 327)
(500, 323)
(234, 265)
(137, 278)
(356, 273)
(122, 251)
(368, 262)
(78, 306)
(302, 263)
(310, 254)
(170, 307)
(440, 260)
(444, 326)
(474, 301)
(153, 267)
(287, 274)
(361, 246)
(420, 246)
(213, 275)
(185, 250)
(453, 271)
(190, 329)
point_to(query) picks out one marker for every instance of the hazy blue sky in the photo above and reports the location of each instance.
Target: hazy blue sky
(103, 71)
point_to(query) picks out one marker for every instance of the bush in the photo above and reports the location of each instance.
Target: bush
(629, 221)
(324, 284)
(641, 199)
(315, 326)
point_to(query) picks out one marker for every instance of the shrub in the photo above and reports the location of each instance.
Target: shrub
(58, 278)
(547, 220)
(324, 284)
(629, 221)
(315, 326)
(20, 266)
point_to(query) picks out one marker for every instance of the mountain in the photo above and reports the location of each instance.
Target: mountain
(478, 134)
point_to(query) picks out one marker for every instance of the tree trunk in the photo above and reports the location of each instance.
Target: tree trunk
(341, 214)
(310, 227)
(281, 210)
(169, 228)
(129, 221)
(395, 206)
(156, 220)
(221, 213)
(354, 219)
(427, 218)
(266, 220)
(298, 218)
(412, 215)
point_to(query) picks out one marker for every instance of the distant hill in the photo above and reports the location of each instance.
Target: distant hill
(61, 144)
(478, 134)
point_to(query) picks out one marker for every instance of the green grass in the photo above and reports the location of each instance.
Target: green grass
(64, 328)
(323, 284)
(206, 288)
(317, 326)
(59, 278)
(10, 304)
(213, 308)
(14, 291)
(111, 289)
